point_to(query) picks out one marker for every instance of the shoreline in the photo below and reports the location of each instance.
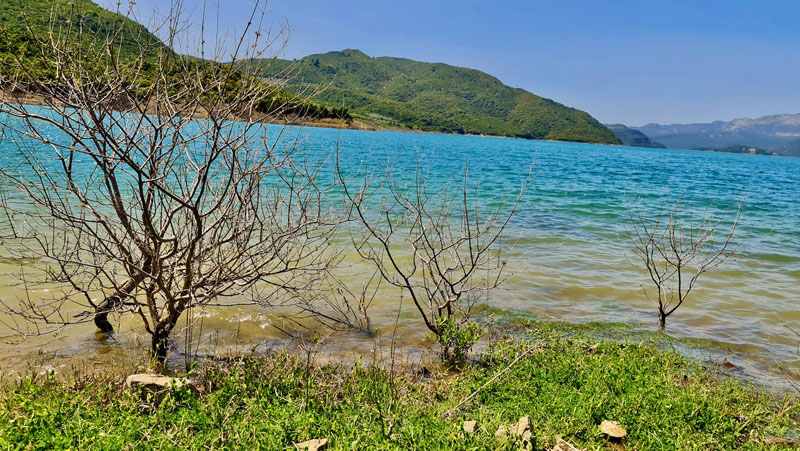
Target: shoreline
(562, 385)
(352, 124)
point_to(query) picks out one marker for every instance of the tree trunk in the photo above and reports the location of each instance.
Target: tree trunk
(160, 342)
(112, 303)
(662, 320)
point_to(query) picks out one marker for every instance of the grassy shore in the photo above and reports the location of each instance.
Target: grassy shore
(567, 384)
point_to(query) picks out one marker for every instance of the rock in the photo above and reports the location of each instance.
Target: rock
(156, 382)
(730, 366)
(780, 441)
(612, 429)
(316, 444)
(158, 385)
(469, 426)
(592, 348)
(563, 445)
(501, 433)
(523, 428)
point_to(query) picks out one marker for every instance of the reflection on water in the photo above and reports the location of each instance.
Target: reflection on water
(571, 258)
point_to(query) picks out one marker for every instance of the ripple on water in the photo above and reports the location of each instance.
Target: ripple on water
(572, 255)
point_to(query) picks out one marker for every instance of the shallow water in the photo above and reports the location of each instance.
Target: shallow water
(572, 259)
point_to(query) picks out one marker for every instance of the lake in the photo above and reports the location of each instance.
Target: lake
(572, 260)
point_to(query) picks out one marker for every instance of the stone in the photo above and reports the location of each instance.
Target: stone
(563, 445)
(501, 433)
(612, 429)
(317, 444)
(469, 426)
(780, 441)
(523, 428)
(157, 385)
(156, 382)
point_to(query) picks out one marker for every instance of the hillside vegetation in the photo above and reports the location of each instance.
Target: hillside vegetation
(632, 137)
(434, 97)
(26, 65)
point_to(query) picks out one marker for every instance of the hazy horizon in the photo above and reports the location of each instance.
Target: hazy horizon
(630, 62)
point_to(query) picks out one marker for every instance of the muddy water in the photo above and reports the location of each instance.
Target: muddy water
(572, 259)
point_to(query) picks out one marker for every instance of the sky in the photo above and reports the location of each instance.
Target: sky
(626, 61)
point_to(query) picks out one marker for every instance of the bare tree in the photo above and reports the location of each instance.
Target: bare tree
(675, 249)
(150, 183)
(438, 248)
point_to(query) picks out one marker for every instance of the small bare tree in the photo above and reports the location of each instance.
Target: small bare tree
(676, 250)
(437, 248)
(149, 183)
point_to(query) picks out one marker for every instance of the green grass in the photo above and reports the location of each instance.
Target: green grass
(567, 389)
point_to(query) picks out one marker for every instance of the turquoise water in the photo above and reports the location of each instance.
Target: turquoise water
(573, 259)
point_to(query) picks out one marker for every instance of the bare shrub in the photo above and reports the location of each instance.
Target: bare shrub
(150, 184)
(438, 248)
(675, 249)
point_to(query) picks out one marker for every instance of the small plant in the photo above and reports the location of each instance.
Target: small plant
(456, 338)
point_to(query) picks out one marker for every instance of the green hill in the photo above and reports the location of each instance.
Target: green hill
(22, 22)
(433, 96)
(631, 137)
(17, 16)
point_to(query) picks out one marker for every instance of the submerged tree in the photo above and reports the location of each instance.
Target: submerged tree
(437, 247)
(676, 249)
(150, 184)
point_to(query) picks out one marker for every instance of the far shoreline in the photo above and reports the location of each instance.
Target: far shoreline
(354, 124)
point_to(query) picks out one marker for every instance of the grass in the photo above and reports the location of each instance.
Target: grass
(567, 387)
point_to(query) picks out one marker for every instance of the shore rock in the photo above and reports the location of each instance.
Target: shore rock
(523, 428)
(563, 445)
(612, 429)
(469, 426)
(317, 444)
(157, 385)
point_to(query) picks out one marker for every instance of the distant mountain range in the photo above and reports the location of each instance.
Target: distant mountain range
(778, 133)
(399, 92)
(632, 137)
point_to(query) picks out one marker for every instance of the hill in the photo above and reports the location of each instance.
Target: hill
(791, 148)
(632, 137)
(23, 22)
(773, 133)
(434, 97)
(16, 17)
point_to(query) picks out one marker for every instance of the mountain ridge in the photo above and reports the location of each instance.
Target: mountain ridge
(632, 137)
(772, 132)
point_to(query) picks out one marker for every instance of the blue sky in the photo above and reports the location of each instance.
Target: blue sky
(622, 61)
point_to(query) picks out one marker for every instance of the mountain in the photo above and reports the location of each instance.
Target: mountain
(405, 93)
(772, 133)
(632, 137)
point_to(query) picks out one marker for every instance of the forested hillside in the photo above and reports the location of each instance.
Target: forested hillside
(84, 24)
(433, 96)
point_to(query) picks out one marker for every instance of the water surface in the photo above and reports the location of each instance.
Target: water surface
(572, 259)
